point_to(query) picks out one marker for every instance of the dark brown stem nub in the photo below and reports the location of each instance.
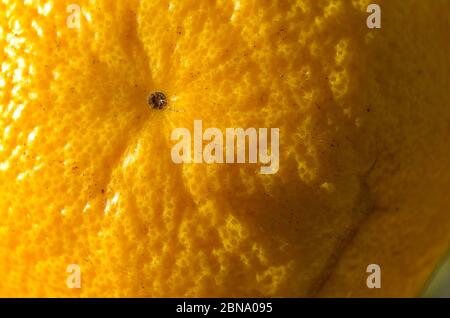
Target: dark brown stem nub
(157, 100)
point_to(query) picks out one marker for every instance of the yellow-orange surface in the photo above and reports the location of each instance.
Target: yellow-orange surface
(86, 175)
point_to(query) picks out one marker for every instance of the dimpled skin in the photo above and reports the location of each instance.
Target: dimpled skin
(86, 175)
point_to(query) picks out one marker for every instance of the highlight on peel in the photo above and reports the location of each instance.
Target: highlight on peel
(92, 91)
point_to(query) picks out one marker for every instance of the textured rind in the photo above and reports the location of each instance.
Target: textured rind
(86, 175)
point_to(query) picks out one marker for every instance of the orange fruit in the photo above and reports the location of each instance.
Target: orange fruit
(86, 175)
